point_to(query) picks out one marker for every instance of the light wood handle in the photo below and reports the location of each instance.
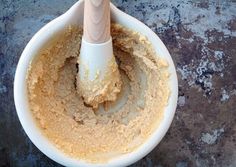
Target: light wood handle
(97, 21)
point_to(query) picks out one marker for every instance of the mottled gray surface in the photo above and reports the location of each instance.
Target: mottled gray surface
(201, 37)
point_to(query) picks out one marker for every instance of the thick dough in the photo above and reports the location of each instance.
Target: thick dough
(115, 127)
(100, 90)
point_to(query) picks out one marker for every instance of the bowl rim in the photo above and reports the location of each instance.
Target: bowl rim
(28, 122)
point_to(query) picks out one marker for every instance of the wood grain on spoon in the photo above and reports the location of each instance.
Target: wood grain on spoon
(97, 21)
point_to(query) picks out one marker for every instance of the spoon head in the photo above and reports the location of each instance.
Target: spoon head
(94, 60)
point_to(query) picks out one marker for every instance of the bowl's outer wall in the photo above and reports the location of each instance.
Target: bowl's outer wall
(74, 16)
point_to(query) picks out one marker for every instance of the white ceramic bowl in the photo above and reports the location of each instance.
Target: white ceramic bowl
(74, 16)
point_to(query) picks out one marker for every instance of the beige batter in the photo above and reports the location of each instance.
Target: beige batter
(102, 88)
(118, 127)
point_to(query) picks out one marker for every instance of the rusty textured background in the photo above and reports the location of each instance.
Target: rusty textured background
(201, 37)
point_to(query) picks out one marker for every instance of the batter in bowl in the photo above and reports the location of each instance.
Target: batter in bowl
(114, 128)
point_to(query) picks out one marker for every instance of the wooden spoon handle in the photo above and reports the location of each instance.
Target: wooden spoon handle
(97, 21)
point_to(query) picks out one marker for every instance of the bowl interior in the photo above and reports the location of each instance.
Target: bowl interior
(74, 16)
